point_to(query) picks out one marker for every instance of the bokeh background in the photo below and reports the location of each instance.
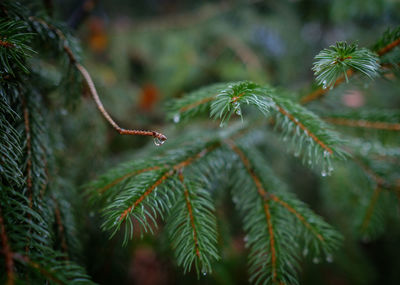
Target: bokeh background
(143, 53)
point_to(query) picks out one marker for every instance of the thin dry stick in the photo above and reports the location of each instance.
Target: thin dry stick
(88, 79)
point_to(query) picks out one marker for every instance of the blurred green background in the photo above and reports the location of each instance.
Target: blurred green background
(143, 53)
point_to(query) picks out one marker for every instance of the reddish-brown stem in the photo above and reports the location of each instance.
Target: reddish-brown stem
(28, 165)
(364, 124)
(37, 266)
(370, 209)
(9, 262)
(166, 175)
(6, 44)
(321, 91)
(304, 128)
(191, 217)
(60, 227)
(88, 79)
(271, 240)
(130, 174)
(28, 153)
(265, 196)
(298, 215)
(388, 47)
(145, 194)
(195, 104)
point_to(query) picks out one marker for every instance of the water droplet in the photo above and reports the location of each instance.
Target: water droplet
(204, 272)
(177, 118)
(329, 258)
(238, 112)
(309, 162)
(305, 252)
(158, 141)
(315, 260)
(246, 238)
(222, 124)
(91, 214)
(326, 153)
(324, 173)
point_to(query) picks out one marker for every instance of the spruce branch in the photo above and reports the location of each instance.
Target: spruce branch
(308, 135)
(14, 46)
(148, 193)
(332, 63)
(158, 137)
(303, 216)
(389, 40)
(191, 226)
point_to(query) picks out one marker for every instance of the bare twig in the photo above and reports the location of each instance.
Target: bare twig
(88, 79)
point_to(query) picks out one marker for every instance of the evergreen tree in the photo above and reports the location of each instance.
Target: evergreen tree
(181, 184)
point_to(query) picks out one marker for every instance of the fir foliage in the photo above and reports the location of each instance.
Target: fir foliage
(337, 60)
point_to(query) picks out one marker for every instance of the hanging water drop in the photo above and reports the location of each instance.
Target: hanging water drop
(246, 239)
(324, 84)
(221, 125)
(238, 112)
(158, 141)
(177, 118)
(326, 153)
(329, 258)
(324, 173)
(315, 260)
(305, 251)
(204, 272)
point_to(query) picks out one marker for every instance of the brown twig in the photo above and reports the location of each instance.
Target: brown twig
(88, 79)
(9, 262)
(364, 124)
(321, 91)
(6, 44)
(37, 266)
(370, 209)
(191, 217)
(388, 47)
(60, 227)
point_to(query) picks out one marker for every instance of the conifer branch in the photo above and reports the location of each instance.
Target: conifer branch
(305, 129)
(298, 216)
(159, 138)
(190, 211)
(174, 169)
(393, 36)
(145, 194)
(8, 255)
